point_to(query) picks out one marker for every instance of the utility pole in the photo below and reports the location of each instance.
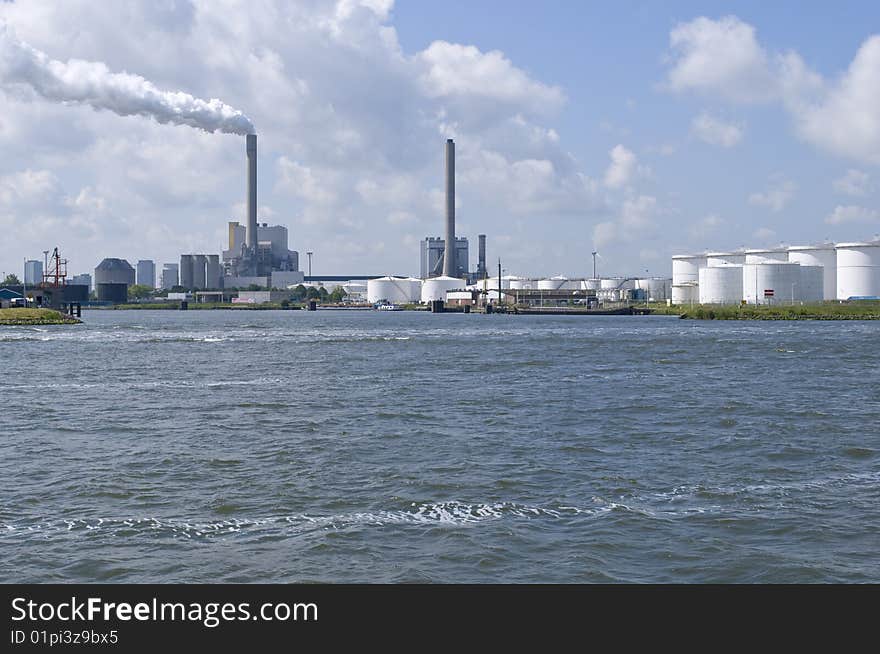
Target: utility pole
(499, 280)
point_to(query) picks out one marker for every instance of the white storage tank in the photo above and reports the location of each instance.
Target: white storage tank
(554, 283)
(611, 283)
(721, 285)
(591, 284)
(811, 287)
(686, 268)
(391, 289)
(724, 259)
(435, 288)
(766, 256)
(858, 270)
(657, 288)
(781, 278)
(687, 293)
(818, 255)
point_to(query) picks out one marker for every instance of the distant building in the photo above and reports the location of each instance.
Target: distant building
(84, 279)
(33, 272)
(112, 279)
(146, 273)
(170, 275)
(272, 251)
(431, 257)
(200, 272)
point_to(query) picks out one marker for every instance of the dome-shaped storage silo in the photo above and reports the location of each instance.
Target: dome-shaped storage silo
(389, 289)
(858, 270)
(686, 293)
(114, 271)
(770, 283)
(721, 285)
(686, 268)
(766, 255)
(435, 288)
(818, 255)
(810, 288)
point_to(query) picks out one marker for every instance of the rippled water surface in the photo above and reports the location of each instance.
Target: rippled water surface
(259, 446)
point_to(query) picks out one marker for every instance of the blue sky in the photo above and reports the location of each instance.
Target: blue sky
(638, 129)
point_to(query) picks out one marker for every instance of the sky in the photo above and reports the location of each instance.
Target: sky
(635, 129)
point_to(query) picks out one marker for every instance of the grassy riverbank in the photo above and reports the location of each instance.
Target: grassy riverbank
(35, 317)
(867, 310)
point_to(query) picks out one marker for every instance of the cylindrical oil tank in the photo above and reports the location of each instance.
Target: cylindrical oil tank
(687, 293)
(113, 292)
(770, 283)
(811, 286)
(858, 270)
(435, 288)
(724, 259)
(657, 288)
(818, 255)
(592, 284)
(415, 289)
(609, 283)
(518, 284)
(721, 285)
(553, 284)
(389, 289)
(686, 268)
(766, 256)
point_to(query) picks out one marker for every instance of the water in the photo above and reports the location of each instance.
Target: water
(338, 446)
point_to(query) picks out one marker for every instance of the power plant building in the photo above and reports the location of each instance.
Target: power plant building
(432, 255)
(200, 272)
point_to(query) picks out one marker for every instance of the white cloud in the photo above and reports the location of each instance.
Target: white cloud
(716, 132)
(723, 59)
(852, 214)
(854, 182)
(845, 120)
(623, 167)
(777, 196)
(720, 57)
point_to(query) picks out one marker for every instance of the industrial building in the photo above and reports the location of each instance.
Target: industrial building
(200, 272)
(255, 251)
(432, 257)
(802, 273)
(84, 279)
(146, 273)
(170, 276)
(112, 279)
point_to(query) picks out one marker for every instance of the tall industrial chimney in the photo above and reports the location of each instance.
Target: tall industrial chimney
(251, 233)
(449, 267)
(482, 273)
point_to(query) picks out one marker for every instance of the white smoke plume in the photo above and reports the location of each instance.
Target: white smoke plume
(92, 83)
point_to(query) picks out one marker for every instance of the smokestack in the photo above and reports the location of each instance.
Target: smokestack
(449, 267)
(481, 261)
(251, 233)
